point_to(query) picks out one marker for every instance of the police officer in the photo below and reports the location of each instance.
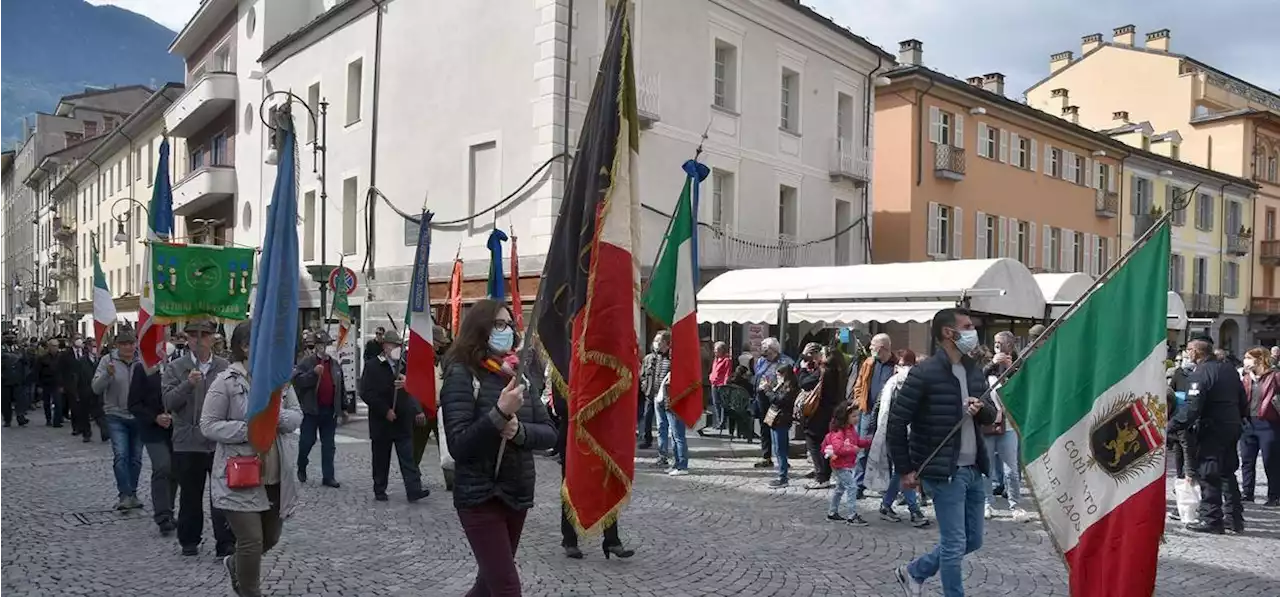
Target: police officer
(1215, 407)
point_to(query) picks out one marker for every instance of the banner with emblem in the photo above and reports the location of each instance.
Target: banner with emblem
(201, 281)
(1089, 407)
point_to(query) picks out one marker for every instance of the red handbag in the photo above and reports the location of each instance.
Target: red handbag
(244, 472)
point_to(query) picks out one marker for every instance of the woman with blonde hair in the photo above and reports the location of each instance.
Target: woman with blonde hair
(1261, 433)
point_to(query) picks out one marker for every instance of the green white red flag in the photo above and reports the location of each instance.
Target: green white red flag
(1091, 419)
(104, 309)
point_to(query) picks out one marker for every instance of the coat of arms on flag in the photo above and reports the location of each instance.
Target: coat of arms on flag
(1129, 436)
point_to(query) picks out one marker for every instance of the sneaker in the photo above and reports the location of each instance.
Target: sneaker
(856, 520)
(678, 472)
(135, 503)
(918, 520)
(766, 463)
(988, 512)
(835, 517)
(910, 586)
(778, 483)
(662, 463)
(888, 515)
(818, 485)
(228, 564)
(122, 504)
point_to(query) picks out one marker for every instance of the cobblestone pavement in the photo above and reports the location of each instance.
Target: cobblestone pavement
(718, 531)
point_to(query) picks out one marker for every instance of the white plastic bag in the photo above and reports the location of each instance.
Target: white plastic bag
(1187, 492)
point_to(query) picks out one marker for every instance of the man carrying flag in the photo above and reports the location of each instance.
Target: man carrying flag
(159, 228)
(586, 308)
(420, 362)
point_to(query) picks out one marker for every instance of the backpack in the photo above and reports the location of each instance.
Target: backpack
(808, 400)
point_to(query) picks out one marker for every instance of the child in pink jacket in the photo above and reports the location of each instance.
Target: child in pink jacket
(841, 447)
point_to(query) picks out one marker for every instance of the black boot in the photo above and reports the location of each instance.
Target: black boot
(1201, 526)
(618, 550)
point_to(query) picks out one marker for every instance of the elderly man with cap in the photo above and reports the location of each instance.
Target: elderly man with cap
(318, 381)
(392, 415)
(111, 380)
(184, 385)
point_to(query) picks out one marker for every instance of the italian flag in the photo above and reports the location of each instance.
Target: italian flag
(1089, 409)
(671, 299)
(104, 310)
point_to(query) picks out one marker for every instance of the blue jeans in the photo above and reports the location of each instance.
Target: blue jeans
(844, 488)
(717, 409)
(860, 466)
(664, 431)
(957, 504)
(326, 424)
(891, 494)
(126, 445)
(781, 441)
(1003, 449)
(671, 422)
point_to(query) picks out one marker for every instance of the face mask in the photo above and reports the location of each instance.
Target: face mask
(170, 348)
(500, 341)
(395, 354)
(1249, 363)
(331, 350)
(967, 341)
(78, 343)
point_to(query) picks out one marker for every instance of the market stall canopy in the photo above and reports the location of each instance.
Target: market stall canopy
(1060, 290)
(874, 292)
(1177, 309)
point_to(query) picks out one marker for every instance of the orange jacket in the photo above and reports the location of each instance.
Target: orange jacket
(862, 386)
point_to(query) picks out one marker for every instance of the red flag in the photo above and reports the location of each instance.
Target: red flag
(455, 296)
(517, 305)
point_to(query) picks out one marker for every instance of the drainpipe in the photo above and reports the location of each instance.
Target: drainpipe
(1120, 206)
(370, 203)
(919, 129)
(866, 146)
(568, 77)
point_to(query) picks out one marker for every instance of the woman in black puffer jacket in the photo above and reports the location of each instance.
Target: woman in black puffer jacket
(485, 407)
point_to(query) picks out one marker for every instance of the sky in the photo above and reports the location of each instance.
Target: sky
(964, 38)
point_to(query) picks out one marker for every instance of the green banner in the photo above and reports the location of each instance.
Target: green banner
(201, 281)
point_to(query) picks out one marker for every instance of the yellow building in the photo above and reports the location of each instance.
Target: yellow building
(1177, 106)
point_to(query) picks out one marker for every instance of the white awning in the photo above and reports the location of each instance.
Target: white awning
(1177, 316)
(1060, 290)
(739, 313)
(814, 294)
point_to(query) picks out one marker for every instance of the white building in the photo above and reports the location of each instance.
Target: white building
(456, 104)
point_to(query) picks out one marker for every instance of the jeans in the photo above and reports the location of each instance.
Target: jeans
(403, 445)
(126, 445)
(718, 419)
(164, 485)
(675, 426)
(664, 433)
(821, 466)
(193, 470)
(766, 441)
(256, 533)
(957, 504)
(781, 442)
(891, 494)
(1260, 437)
(860, 466)
(1004, 447)
(644, 420)
(53, 406)
(493, 529)
(845, 488)
(326, 423)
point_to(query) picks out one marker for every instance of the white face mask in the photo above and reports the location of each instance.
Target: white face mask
(331, 350)
(395, 354)
(170, 348)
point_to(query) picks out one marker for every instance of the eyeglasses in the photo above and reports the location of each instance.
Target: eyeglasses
(501, 324)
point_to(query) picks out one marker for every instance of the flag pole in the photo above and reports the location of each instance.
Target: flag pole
(670, 222)
(1178, 204)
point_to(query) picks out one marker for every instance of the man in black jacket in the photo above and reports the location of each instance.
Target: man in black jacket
(318, 380)
(392, 415)
(943, 402)
(1214, 413)
(13, 380)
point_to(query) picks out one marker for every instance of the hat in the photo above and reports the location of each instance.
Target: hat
(1035, 331)
(200, 325)
(126, 336)
(390, 337)
(321, 337)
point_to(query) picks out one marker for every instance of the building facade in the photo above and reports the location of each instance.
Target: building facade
(409, 114)
(1215, 120)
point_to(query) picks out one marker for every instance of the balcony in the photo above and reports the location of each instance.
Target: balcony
(648, 98)
(1269, 252)
(1238, 244)
(210, 96)
(1264, 305)
(203, 187)
(1202, 304)
(1106, 204)
(850, 162)
(948, 162)
(726, 248)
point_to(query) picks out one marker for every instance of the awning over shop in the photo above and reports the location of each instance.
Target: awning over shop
(1060, 290)
(1177, 316)
(875, 292)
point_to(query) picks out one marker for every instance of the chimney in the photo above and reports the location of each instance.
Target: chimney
(1071, 113)
(1090, 42)
(975, 81)
(1060, 92)
(993, 82)
(1122, 115)
(1123, 35)
(1158, 40)
(910, 52)
(1060, 61)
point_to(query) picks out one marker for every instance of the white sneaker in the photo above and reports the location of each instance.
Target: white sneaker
(1020, 515)
(677, 472)
(988, 512)
(910, 586)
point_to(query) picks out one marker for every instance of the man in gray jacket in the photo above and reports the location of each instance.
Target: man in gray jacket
(185, 381)
(111, 380)
(317, 379)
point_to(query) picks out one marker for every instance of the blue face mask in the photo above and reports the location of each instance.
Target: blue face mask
(500, 341)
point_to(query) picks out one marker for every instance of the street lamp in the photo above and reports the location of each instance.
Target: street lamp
(122, 237)
(319, 165)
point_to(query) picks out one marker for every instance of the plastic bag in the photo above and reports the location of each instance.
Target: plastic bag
(1188, 498)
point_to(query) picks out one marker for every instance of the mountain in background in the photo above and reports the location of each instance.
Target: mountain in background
(53, 48)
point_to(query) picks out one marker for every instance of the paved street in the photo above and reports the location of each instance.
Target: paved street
(718, 531)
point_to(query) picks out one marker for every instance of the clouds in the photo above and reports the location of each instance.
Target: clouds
(170, 13)
(964, 38)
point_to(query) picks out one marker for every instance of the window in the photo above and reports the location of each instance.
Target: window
(787, 224)
(218, 149)
(1176, 270)
(1141, 204)
(844, 123)
(350, 206)
(1100, 257)
(1269, 224)
(309, 226)
(1235, 219)
(1022, 152)
(1231, 279)
(943, 238)
(1204, 211)
(109, 122)
(90, 128)
(943, 126)
(313, 99)
(726, 76)
(355, 84)
(1054, 166)
(222, 61)
(1102, 176)
(1054, 250)
(721, 199)
(1172, 195)
(1200, 276)
(1077, 172)
(137, 160)
(197, 158)
(988, 236)
(946, 224)
(1271, 169)
(988, 141)
(1077, 253)
(790, 108)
